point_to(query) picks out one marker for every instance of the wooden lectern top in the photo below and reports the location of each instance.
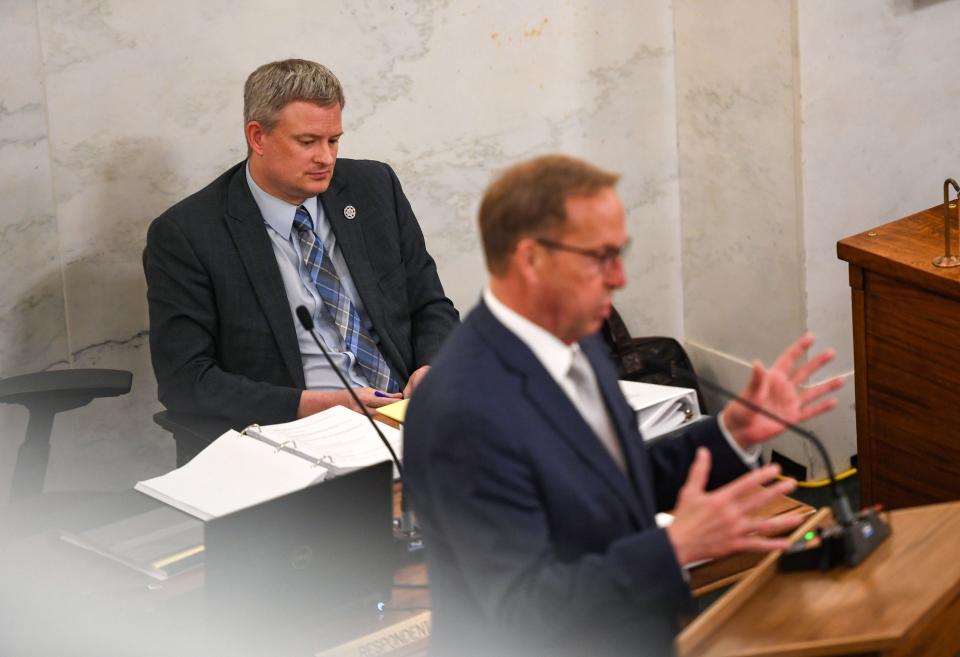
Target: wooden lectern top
(904, 599)
(905, 249)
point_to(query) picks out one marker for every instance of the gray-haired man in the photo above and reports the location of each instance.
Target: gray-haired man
(292, 225)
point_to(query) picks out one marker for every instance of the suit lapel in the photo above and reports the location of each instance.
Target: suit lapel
(555, 407)
(625, 421)
(353, 247)
(245, 224)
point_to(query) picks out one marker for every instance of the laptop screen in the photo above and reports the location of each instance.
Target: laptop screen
(302, 557)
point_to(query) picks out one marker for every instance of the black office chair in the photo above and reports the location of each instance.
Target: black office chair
(45, 394)
(191, 433)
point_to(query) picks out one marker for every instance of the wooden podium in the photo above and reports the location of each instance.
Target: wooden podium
(906, 339)
(902, 601)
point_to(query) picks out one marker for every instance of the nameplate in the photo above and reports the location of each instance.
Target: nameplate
(398, 639)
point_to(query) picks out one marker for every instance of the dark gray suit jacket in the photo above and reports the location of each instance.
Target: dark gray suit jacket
(222, 337)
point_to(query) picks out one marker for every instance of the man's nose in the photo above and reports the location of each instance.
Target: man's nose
(324, 154)
(615, 277)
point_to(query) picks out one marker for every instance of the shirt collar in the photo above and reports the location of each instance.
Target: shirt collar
(553, 354)
(277, 213)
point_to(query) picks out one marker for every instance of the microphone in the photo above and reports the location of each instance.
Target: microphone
(406, 528)
(854, 537)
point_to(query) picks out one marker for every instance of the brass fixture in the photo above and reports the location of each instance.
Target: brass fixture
(948, 259)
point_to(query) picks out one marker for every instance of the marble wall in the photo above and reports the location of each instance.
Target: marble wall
(119, 109)
(742, 239)
(800, 123)
(743, 232)
(33, 332)
(880, 130)
(772, 129)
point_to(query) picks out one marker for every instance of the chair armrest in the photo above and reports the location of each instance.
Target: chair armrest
(64, 389)
(191, 433)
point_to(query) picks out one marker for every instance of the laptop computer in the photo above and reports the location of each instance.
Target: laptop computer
(288, 565)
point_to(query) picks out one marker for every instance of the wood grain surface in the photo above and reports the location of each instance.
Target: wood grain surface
(906, 331)
(904, 599)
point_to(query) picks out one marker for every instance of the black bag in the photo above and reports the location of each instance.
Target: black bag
(657, 360)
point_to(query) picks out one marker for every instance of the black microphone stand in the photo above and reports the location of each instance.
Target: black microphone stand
(854, 537)
(405, 528)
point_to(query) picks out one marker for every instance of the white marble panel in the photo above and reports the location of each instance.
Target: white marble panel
(742, 237)
(594, 81)
(123, 149)
(879, 109)
(33, 333)
(447, 93)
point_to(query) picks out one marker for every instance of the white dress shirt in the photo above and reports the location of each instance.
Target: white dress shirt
(557, 357)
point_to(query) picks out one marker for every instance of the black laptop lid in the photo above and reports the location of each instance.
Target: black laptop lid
(295, 558)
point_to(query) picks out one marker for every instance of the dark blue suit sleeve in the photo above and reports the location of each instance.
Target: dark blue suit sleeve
(671, 458)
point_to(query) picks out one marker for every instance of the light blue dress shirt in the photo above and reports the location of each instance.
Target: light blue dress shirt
(278, 218)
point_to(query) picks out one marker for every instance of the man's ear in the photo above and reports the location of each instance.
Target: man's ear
(527, 260)
(255, 134)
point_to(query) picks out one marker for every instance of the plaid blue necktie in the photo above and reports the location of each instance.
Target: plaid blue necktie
(340, 308)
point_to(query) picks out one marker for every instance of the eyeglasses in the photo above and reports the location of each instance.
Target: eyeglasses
(605, 258)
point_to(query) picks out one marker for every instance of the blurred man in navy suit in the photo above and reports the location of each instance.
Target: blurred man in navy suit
(535, 491)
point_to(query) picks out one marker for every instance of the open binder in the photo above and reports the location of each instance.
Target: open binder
(243, 468)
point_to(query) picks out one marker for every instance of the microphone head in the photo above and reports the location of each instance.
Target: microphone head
(306, 321)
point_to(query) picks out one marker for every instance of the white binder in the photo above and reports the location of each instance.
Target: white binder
(661, 409)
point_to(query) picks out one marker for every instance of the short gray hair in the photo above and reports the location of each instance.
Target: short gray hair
(273, 85)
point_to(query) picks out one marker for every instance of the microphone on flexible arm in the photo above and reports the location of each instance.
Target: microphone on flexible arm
(854, 536)
(405, 528)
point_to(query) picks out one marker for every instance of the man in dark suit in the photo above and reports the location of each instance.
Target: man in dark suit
(535, 492)
(292, 225)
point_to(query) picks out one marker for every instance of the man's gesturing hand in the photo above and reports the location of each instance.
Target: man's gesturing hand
(781, 390)
(713, 524)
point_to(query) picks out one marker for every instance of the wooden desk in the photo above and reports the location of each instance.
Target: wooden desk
(903, 601)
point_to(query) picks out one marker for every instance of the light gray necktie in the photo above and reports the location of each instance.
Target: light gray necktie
(592, 408)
